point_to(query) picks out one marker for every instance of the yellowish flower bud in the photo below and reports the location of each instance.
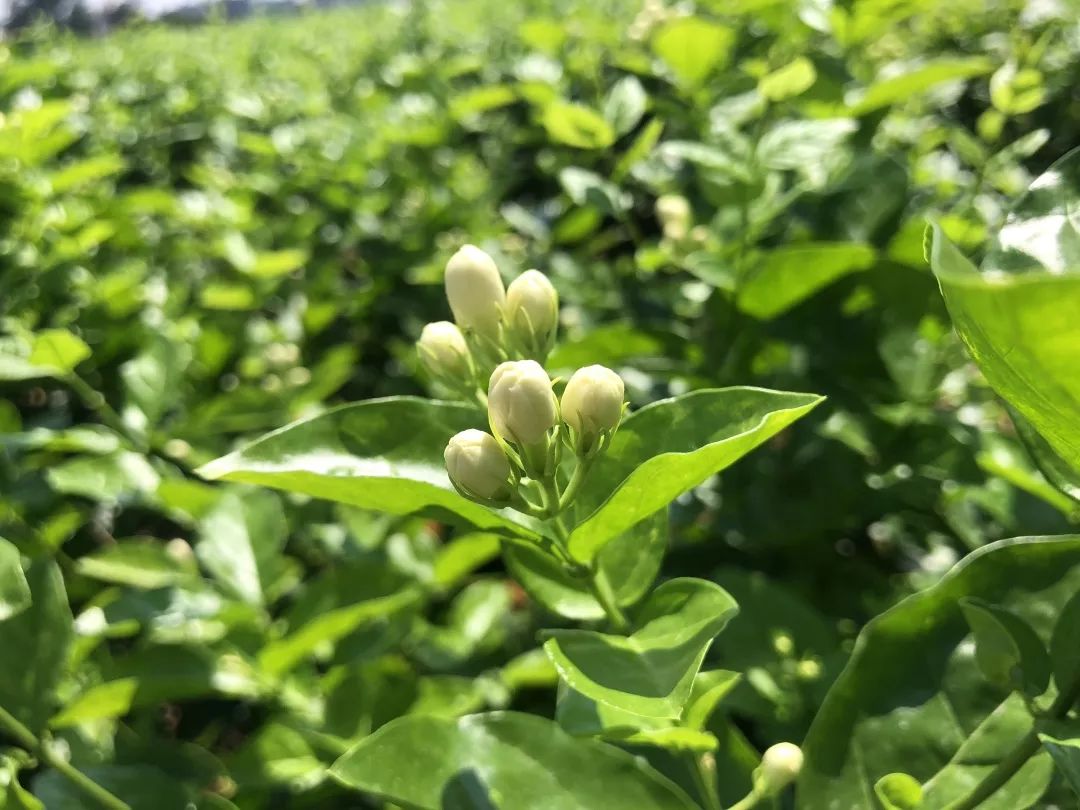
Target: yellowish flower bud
(475, 291)
(532, 311)
(592, 403)
(477, 464)
(443, 351)
(521, 405)
(673, 211)
(780, 765)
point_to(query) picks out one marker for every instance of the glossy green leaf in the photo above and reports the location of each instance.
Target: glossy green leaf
(1065, 644)
(383, 454)
(158, 674)
(912, 687)
(651, 671)
(241, 542)
(278, 657)
(1022, 330)
(141, 787)
(1066, 755)
(993, 740)
(489, 759)
(693, 48)
(625, 104)
(802, 145)
(917, 81)
(14, 591)
(51, 353)
(577, 125)
(1041, 233)
(898, 791)
(788, 276)
(140, 564)
(668, 447)
(793, 79)
(709, 689)
(1008, 651)
(35, 645)
(630, 562)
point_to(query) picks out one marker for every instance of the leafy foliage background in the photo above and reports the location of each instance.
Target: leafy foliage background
(208, 233)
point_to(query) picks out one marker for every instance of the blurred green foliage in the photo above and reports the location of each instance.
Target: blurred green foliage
(207, 233)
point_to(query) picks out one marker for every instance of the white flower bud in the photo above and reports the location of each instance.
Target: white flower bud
(521, 404)
(780, 765)
(532, 310)
(673, 211)
(475, 291)
(477, 464)
(443, 351)
(593, 403)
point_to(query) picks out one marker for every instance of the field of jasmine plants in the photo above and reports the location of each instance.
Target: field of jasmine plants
(563, 405)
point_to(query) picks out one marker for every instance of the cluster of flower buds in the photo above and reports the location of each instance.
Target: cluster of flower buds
(513, 330)
(492, 323)
(530, 426)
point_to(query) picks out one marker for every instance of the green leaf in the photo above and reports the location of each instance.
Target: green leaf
(486, 760)
(912, 686)
(1066, 755)
(278, 657)
(625, 104)
(787, 276)
(898, 791)
(671, 446)
(793, 79)
(159, 674)
(630, 562)
(1040, 234)
(383, 454)
(274, 263)
(709, 689)
(104, 478)
(693, 48)
(1022, 330)
(51, 353)
(241, 542)
(917, 81)
(1065, 644)
(587, 188)
(576, 125)
(14, 590)
(993, 740)
(140, 564)
(142, 787)
(463, 555)
(1008, 651)
(651, 671)
(35, 645)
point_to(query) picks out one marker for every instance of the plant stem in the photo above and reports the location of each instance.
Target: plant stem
(1000, 775)
(574, 484)
(704, 781)
(749, 800)
(601, 588)
(1023, 751)
(88, 786)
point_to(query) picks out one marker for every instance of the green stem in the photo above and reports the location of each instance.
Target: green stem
(1023, 751)
(705, 781)
(601, 588)
(97, 403)
(88, 786)
(751, 799)
(575, 482)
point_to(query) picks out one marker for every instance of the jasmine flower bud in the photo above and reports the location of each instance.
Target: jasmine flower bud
(475, 291)
(477, 465)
